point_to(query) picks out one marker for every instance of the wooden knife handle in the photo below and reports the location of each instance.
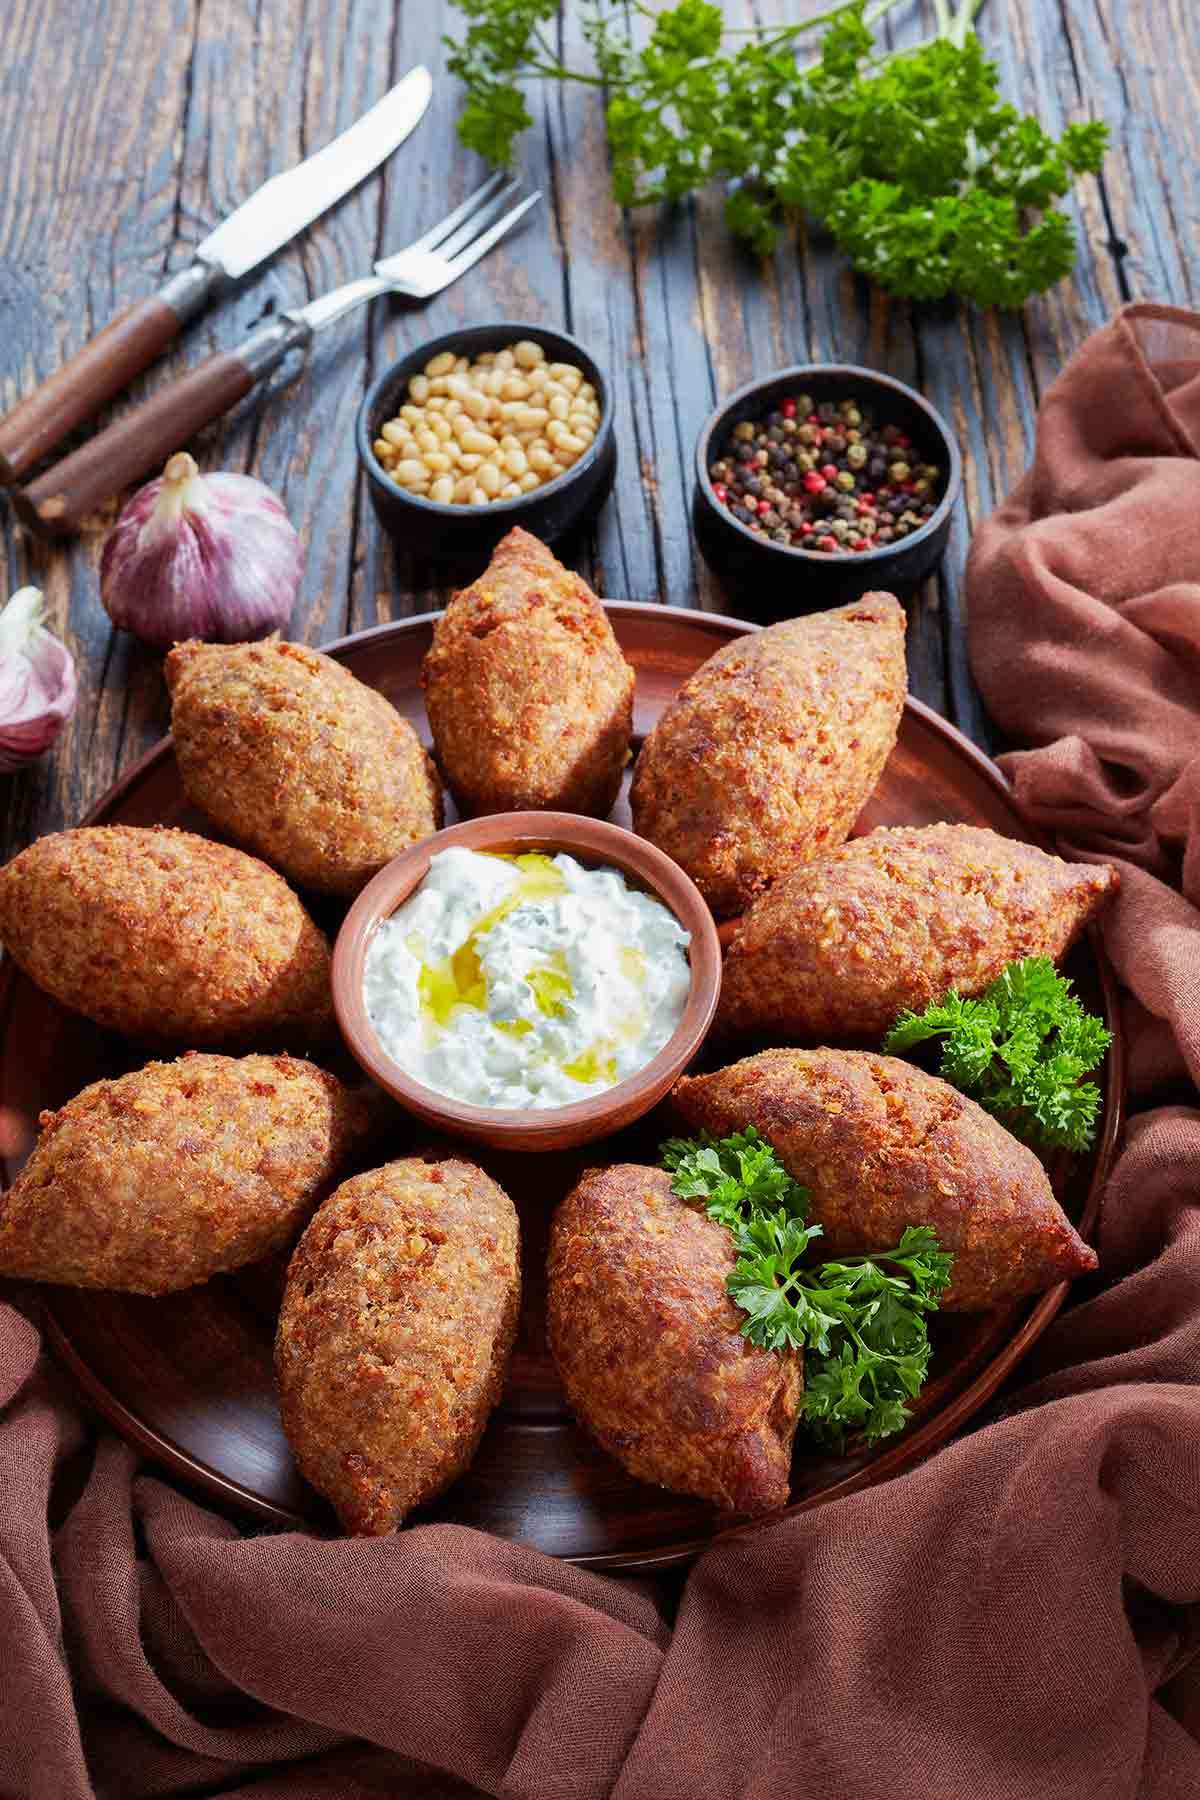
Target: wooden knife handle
(78, 390)
(140, 442)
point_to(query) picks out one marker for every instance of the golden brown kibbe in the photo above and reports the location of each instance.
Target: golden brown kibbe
(839, 946)
(530, 701)
(766, 756)
(165, 936)
(159, 1179)
(288, 753)
(880, 1145)
(394, 1337)
(648, 1347)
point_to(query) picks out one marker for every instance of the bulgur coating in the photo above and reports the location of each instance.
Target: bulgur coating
(167, 937)
(529, 698)
(767, 754)
(648, 1347)
(156, 1180)
(291, 755)
(395, 1333)
(881, 1145)
(838, 947)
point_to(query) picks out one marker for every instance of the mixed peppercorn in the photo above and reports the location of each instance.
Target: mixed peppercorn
(825, 477)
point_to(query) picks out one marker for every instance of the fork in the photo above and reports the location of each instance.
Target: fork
(61, 499)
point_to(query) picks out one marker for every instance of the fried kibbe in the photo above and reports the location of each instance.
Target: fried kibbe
(530, 701)
(167, 937)
(158, 1179)
(766, 756)
(394, 1337)
(648, 1347)
(880, 1145)
(291, 755)
(839, 946)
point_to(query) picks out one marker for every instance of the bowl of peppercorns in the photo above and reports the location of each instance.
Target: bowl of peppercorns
(821, 482)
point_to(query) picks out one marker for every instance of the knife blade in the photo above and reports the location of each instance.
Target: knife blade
(287, 203)
(283, 206)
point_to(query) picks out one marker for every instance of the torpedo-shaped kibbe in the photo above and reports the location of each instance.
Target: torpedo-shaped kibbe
(881, 1145)
(158, 1179)
(767, 754)
(839, 946)
(649, 1349)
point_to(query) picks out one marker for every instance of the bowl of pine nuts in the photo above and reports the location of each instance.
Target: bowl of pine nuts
(485, 428)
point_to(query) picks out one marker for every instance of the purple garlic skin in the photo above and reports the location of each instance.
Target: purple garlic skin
(38, 688)
(201, 556)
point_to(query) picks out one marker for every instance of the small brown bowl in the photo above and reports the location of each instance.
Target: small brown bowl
(591, 841)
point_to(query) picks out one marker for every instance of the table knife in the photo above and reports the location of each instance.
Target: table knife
(283, 206)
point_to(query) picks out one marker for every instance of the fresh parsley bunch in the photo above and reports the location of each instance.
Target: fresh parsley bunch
(927, 180)
(860, 1321)
(1021, 1050)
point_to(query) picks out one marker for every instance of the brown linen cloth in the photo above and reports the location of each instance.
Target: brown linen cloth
(1019, 1619)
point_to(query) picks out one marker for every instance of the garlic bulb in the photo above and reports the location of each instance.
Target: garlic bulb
(37, 682)
(200, 556)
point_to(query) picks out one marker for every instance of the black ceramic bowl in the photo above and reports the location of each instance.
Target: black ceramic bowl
(463, 537)
(778, 580)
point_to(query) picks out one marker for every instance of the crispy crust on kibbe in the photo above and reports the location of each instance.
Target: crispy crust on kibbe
(294, 757)
(766, 756)
(178, 1171)
(165, 936)
(529, 698)
(394, 1337)
(880, 1145)
(648, 1345)
(895, 919)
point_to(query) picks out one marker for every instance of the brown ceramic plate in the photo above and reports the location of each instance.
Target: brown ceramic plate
(188, 1377)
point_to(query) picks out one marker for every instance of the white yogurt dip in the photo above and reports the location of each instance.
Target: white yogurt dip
(525, 981)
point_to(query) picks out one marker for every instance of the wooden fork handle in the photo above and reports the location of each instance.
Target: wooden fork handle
(77, 391)
(139, 443)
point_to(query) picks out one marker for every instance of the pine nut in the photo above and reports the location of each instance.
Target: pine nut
(528, 481)
(516, 463)
(476, 404)
(440, 365)
(490, 480)
(478, 442)
(527, 354)
(539, 458)
(442, 490)
(559, 407)
(408, 471)
(418, 390)
(437, 461)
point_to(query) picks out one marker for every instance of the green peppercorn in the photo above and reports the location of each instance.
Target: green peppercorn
(805, 461)
(929, 472)
(856, 455)
(804, 403)
(745, 430)
(809, 434)
(839, 529)
(845, 480)
(851, 414)
(920, 485)
(789, 427)
(899, 471)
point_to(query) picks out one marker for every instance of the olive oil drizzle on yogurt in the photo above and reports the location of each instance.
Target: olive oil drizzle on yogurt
(452, 987)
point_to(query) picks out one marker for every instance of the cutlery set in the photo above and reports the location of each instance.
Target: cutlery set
(56, 501)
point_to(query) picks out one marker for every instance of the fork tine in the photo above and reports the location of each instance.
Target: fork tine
(478, 222)
(481, 246)
(491, 186)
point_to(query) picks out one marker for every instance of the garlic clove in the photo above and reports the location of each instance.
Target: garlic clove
(38, 688)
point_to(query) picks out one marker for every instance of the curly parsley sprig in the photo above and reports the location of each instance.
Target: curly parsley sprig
(1021, 1050)
(927, 179)
(860, 1320)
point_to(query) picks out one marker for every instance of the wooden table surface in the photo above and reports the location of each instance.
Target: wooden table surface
(127, 132)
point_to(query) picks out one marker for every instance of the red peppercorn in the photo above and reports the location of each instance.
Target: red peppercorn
(788, 409)
(814, 483)
(858, 543)
(863, 506)
(721, 491)
(827, 543)
(902, 441)
(813, 419)
(764, 506)
(908, 487)
(807, 526)
(829, 471)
